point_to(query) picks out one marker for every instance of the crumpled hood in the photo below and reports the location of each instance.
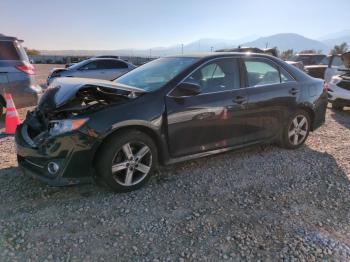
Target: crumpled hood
(62, 90)
(346, 59)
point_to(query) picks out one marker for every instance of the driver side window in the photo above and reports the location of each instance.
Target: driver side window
(89, 66)
(221, 75)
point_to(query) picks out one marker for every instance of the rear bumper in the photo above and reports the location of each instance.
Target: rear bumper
(28, 96)
(73, 153)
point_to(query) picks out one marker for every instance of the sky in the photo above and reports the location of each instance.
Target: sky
(125, 24)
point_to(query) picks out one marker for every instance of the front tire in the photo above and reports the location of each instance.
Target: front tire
(127, 160)
(296, 130)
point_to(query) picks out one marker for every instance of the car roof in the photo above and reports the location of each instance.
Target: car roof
(222, 54)
(101, 58)
(9, 38)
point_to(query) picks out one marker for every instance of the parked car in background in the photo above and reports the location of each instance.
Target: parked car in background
(314, 64)
(338, 65)
(97, 68)
(169, 110)
(298, 64)
(16, 74)
(339, 91)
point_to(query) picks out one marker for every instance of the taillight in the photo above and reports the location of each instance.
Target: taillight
(326, 87)
(28, 69)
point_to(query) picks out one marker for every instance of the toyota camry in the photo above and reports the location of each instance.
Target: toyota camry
(168, 110)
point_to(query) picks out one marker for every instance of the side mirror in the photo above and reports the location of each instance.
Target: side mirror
(189, 89)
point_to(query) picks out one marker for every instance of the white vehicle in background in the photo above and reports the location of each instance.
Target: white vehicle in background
(339, 91)
(338, 65)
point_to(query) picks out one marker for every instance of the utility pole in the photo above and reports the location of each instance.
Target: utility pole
(182, 49)
(150, 52)
(211, 49)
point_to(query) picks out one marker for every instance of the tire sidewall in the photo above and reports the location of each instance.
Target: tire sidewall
(111, 147)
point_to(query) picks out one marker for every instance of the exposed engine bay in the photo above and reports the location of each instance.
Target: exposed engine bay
(64, 102)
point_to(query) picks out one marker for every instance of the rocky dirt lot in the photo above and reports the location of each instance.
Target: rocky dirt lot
(262, 203)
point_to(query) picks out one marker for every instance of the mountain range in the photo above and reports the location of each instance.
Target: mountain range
(282, 41)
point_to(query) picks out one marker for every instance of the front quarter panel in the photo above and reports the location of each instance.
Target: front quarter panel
(146, 111)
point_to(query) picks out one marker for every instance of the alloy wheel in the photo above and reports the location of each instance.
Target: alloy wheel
(131, 163)
(298, 130)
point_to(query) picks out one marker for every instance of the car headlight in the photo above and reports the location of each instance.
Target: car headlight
(58, 127)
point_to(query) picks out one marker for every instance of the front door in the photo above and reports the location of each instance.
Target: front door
(213, 119)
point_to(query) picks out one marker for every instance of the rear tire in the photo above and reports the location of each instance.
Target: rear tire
(296, 131)
(127, 160)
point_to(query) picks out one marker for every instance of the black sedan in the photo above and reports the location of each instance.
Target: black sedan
(169, 110)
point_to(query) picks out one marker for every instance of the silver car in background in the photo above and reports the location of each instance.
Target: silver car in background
(17, 75)
(97, 68)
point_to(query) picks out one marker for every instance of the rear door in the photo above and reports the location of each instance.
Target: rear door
(213, 119)
(272, 96)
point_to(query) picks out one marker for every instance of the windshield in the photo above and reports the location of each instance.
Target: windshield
(155, 74)
(77, 65)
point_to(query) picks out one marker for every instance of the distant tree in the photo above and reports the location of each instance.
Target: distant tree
(32, 51)
(339, 49)
(287, 54)
(308, 51)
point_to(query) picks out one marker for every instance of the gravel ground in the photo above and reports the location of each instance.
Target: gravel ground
(262, 203)
(42, 71)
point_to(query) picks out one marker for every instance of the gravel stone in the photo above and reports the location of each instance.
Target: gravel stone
(263, 203)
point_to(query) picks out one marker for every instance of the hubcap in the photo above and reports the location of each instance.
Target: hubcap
(131, 163)
(298, 130)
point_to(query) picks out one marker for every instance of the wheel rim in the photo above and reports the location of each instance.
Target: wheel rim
(131, 163)
(298, 129)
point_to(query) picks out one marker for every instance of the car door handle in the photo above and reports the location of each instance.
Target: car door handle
(294, 91)
(239, 99)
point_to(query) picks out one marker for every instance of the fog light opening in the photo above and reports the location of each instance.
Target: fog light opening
(53, 168)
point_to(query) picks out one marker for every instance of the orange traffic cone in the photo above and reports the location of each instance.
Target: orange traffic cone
(12, 119)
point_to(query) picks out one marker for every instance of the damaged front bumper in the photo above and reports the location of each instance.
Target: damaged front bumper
(57, 160)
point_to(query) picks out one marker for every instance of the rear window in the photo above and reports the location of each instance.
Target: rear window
(12, 51)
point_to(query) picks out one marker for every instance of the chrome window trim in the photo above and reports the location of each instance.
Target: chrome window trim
(232, 57)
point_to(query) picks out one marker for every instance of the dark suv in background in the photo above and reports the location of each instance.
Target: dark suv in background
(314, 64)
(16, 74)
